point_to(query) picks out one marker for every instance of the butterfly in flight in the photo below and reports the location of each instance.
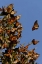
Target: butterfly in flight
(35, 26)
(34, 42)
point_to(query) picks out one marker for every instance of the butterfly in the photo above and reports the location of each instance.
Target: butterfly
(34, 42)
(10, 50)
(36, 55)
(13, 37)
(1, 30)
(8, 31)
(9, 8)
(5, 45)
(15, 62)
(35, 26)
(13, 12)
(7, 55)
(13, 19)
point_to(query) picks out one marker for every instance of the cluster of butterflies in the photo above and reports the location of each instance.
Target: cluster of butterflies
(8, 10)
(17, 30)
(14, 32)
(30, 54)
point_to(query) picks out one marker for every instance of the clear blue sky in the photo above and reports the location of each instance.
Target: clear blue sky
(30, 11)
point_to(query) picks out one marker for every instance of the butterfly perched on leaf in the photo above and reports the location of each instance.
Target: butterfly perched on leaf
(35, 26)
(34, 42)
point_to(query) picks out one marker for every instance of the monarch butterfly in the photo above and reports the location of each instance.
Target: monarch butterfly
(23, 49)
(18, 24)
(36, 55)
(18, 17)
(15, 62)
(5, 45)
(34, 42)
(12, 38)
(13, 12)
(7, 55)
(13, 19)
(1, 30)
(35, 26)
(9, 8)
(8, 31)
(10, 50)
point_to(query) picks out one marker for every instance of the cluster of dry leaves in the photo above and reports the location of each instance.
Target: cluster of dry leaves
(10, 33)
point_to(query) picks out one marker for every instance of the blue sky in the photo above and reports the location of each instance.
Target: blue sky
(30, 10)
